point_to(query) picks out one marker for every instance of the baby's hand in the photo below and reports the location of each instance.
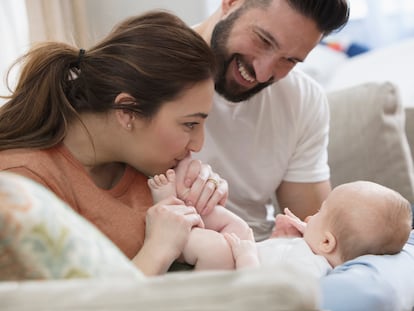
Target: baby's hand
(244, 251)
(288, 225)
(295, 221)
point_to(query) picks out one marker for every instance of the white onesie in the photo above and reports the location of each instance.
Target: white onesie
(294, 251)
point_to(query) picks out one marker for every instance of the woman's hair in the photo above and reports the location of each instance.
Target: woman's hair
(153, 57)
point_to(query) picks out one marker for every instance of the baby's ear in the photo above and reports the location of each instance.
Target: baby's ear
(328, 244)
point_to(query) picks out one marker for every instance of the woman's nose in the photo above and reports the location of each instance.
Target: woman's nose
(196, 142)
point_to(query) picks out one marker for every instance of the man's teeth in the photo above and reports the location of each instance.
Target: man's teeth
(244, 72)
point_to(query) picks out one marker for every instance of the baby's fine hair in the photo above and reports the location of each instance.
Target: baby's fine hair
(375, 220)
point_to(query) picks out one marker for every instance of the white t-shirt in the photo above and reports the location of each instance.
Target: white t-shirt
(294, 251)
(279, 134)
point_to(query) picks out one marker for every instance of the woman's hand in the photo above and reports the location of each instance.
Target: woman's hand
(168, 224)
(199, 186)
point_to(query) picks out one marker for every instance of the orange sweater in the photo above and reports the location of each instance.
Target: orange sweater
(118, 212)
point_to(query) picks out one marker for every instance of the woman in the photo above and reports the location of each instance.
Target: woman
(93, 125)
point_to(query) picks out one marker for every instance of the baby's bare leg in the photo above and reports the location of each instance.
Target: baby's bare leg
(222, 220)
(207, 250)
(162, 186)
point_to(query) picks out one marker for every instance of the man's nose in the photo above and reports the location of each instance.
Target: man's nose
(264, 68)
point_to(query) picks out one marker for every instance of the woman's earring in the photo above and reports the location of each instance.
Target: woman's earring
(129, 125)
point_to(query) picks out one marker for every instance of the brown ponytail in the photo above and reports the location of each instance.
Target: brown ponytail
(38, 111)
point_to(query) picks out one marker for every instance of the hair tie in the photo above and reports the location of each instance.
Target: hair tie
(80, 57)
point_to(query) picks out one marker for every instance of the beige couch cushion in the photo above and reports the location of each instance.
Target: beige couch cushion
(368, 139)
(409, 126)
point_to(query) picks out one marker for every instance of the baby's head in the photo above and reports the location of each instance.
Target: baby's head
(359, 218)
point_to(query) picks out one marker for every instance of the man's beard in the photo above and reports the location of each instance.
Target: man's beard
(232, 91)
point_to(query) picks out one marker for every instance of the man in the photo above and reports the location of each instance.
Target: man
(268, 132)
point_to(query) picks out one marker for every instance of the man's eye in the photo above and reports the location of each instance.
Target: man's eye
(265, 41)
(291, 61)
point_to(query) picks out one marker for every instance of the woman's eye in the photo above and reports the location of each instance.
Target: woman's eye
(190, 125)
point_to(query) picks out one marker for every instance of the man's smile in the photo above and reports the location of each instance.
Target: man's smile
(244, 71)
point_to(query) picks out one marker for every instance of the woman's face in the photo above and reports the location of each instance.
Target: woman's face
(176, 130)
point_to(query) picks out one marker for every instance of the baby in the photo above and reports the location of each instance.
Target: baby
(356, 219)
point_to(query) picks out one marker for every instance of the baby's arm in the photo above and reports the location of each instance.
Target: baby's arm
(224, 221)
(244, 251)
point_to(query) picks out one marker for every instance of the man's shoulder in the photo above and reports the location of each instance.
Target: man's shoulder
(296, 86)
(299, 80)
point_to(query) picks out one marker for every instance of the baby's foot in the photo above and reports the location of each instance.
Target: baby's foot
(162, 186)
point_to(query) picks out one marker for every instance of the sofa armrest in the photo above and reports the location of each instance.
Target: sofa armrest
(278, 288)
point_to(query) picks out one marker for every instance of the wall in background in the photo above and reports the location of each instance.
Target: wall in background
(14, 36)
(104, 14)
(374, 23)
(378, 23)
(98, 16)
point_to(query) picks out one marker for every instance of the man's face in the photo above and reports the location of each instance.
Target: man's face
(257, 46)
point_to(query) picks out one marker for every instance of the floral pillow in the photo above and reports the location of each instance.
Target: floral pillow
(42, 238)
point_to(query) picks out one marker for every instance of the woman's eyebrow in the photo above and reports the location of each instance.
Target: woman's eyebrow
(197, 114)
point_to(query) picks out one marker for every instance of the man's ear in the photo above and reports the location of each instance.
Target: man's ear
(124, 116)
(328, 244)
(227, 5)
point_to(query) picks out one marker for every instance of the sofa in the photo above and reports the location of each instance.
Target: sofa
(52, 259)
(371, 99)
